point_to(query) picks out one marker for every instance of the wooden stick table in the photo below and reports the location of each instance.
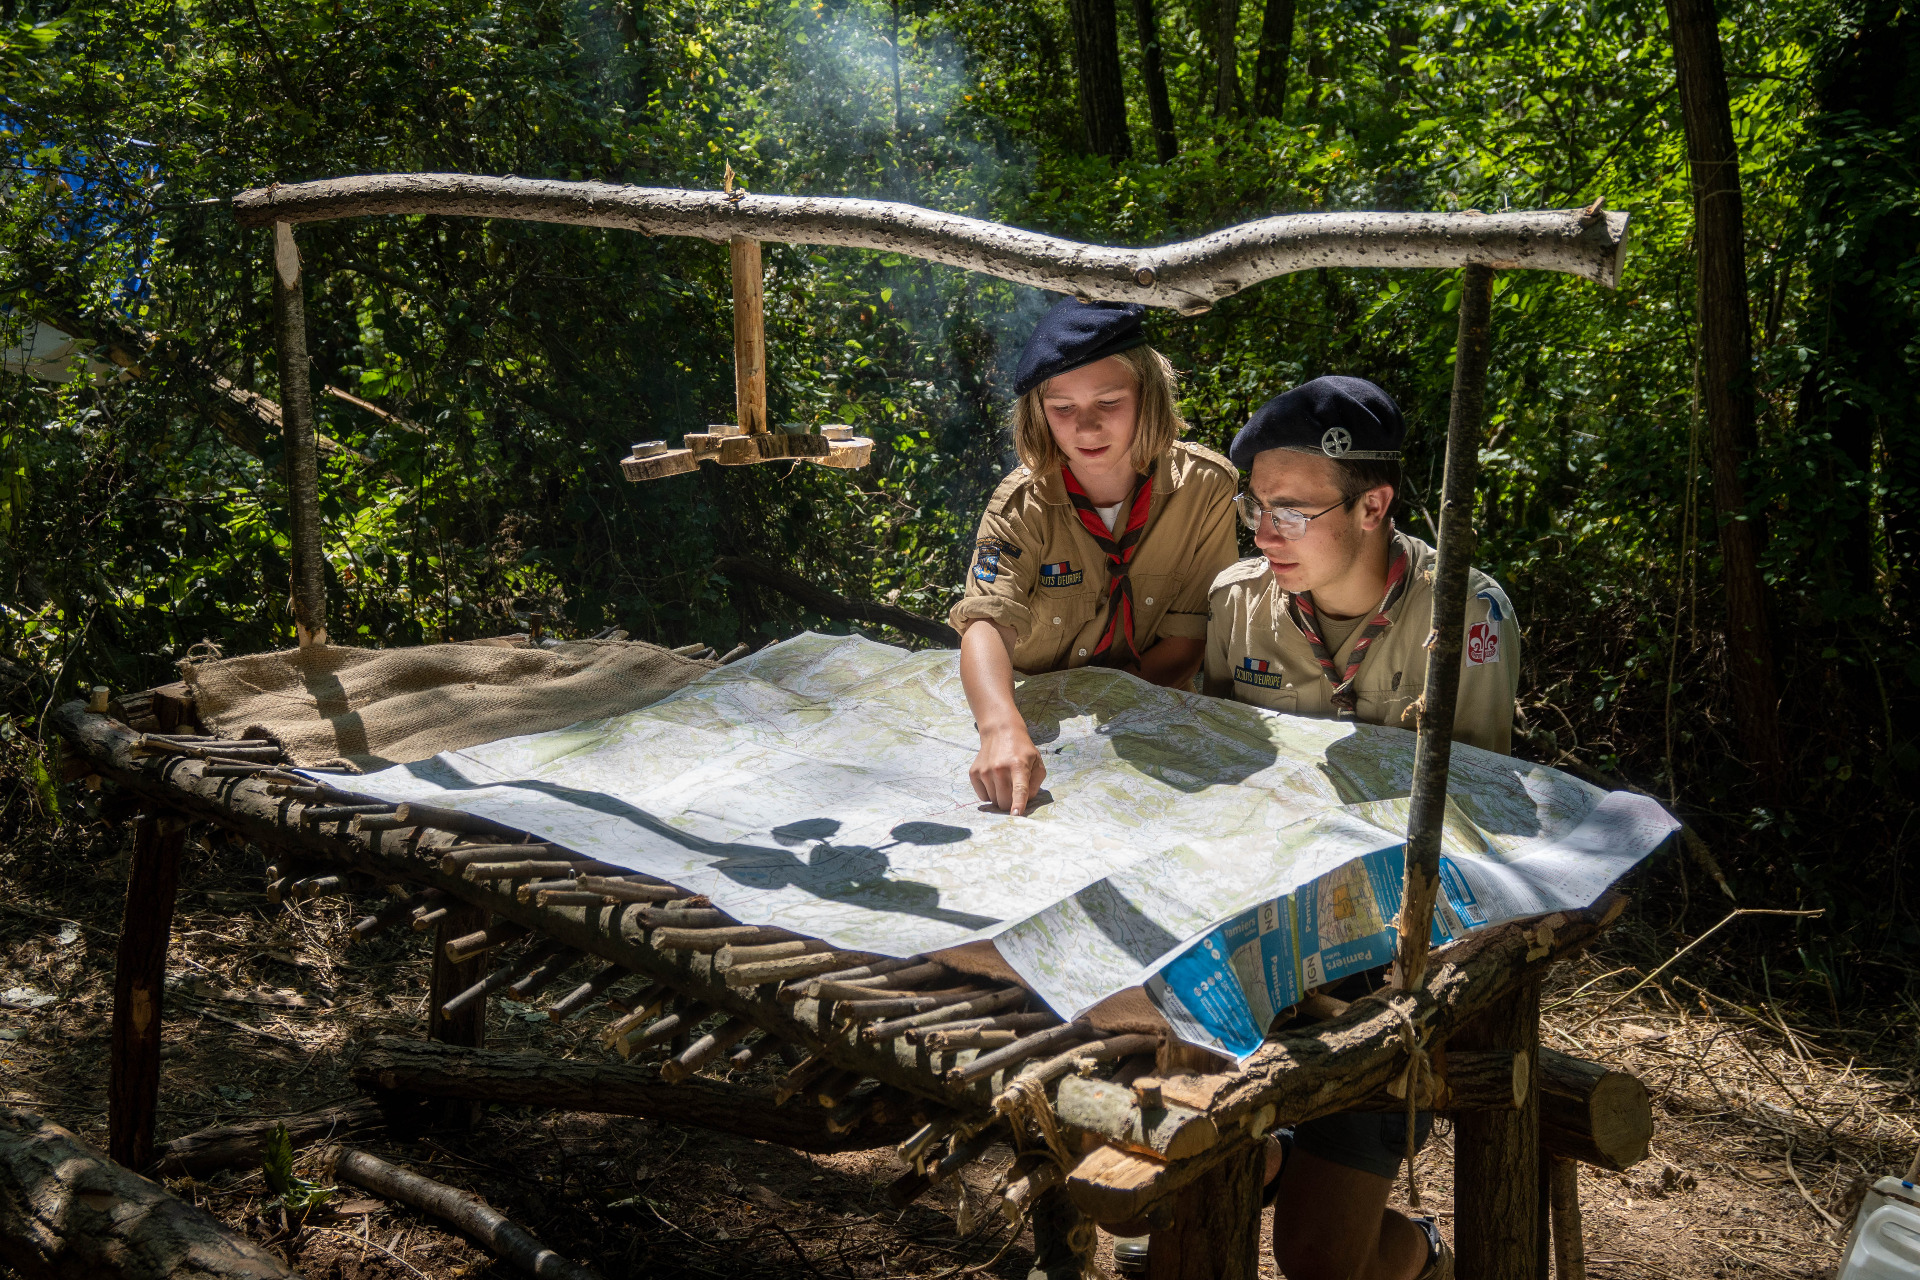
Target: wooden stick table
(882, 1049)
(1110, 1126)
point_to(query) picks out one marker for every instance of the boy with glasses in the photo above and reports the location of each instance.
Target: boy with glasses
(1331, 620)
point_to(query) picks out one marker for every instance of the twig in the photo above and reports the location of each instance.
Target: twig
(1725, 920)
(1584, 987)
(1801, 1187)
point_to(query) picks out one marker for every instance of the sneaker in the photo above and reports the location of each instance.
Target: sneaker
(1439, 1257)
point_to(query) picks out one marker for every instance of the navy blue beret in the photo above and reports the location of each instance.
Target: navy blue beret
(1339, 417)
(1077, 333)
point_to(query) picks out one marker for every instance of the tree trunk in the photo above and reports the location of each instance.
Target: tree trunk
(69, 1213)
(1863, 389)
(1228, 99)
(1166, 144)
(1096, 56)
(1726, 376)
(1270, 71)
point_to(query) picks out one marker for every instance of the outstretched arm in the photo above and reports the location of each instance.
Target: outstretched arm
(1007, 770)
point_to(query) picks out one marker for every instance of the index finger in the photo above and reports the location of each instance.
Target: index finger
(1019, 806)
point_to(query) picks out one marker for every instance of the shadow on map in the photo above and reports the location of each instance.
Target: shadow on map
(854, 874)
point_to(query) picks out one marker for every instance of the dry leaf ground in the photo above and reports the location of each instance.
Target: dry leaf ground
(1769, 1118)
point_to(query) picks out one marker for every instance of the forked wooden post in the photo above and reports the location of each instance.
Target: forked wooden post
(1434, 748)
(469, 1026)
(749, 335)
(139, 975)
(1215, 1233)
(1497, 1210)
(296, 429)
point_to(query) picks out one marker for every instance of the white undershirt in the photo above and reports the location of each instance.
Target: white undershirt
(1110, 514)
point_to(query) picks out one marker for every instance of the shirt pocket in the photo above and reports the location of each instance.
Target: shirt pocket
(1059, 618)
(1385, 701)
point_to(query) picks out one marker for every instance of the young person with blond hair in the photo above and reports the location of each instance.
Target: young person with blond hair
(1101, 546)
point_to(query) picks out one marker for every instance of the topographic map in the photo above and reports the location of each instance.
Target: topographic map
(821, 785)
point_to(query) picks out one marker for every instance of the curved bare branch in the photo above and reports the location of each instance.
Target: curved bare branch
(1189, 277)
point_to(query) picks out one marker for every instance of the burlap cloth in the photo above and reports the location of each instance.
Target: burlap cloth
(377, 707)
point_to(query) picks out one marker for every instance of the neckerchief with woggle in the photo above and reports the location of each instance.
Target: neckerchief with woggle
(1344, 698)
(1119, 546)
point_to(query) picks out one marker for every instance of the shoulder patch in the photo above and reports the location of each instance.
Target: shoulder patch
(986, 557)
(1240, 571)
(1486, 640)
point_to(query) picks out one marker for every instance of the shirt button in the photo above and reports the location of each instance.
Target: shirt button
(1149, 599)
(1056, 622)
(1083, 653)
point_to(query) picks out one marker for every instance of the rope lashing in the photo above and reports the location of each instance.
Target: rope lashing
(1418, 1076)
(1025, 1104)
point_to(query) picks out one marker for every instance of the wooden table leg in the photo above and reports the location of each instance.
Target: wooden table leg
(139, 977)
(1215, 1233)
(469, 1026)
(1496, 1156)
(1569, 1239)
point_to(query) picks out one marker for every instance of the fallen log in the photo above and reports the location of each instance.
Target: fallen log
(391, 1064)
(467, 1213)
(223, 1146)
(69, 1213)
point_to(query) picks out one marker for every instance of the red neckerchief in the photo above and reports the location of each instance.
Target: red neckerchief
(1119, 546)
(1344, 698)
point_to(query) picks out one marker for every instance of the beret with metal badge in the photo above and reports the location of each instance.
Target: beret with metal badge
(1336, 416)
(1076, 333)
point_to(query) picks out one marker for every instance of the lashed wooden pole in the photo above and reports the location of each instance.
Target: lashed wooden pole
(139, 972)
(749, 335)
(1189, 276)
(296, 428)
(1434, 750)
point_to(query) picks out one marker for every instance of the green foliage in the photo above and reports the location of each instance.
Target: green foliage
(276, 1166)
(514, 363)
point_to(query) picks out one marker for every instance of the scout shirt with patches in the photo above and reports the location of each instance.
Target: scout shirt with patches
(1037, 570)
(1256, 653)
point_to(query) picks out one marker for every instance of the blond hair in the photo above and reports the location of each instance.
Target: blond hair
(1158, 424)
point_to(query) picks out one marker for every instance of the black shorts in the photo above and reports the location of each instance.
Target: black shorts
(1370, 1141)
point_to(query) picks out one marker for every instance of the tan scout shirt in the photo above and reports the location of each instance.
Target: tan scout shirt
(1037, 570)
(1256, 653)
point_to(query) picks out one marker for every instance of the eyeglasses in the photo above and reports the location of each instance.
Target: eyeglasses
(1288, 523)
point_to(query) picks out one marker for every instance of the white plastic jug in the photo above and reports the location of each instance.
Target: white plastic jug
(1885, 1244)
